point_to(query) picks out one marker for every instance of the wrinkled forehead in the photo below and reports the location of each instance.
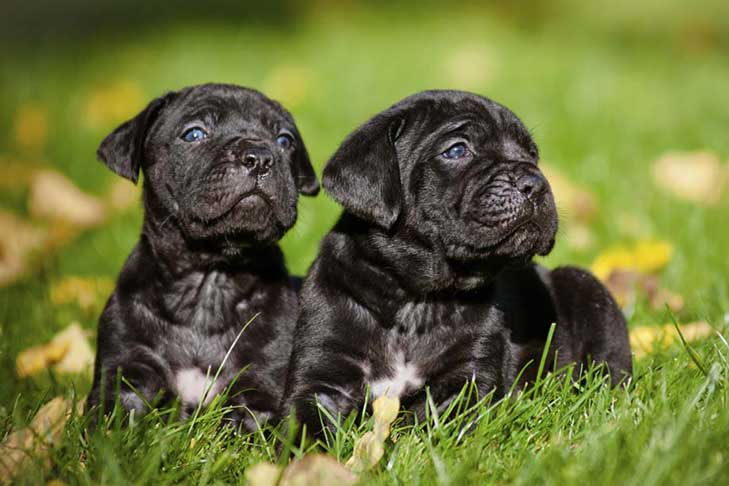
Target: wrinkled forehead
(445, 111)
(219, 104)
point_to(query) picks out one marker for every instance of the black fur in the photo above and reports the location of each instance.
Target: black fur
(207, 261)
(428, 274)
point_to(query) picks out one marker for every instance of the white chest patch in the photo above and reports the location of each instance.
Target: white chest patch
(192, 384)
(404, 376)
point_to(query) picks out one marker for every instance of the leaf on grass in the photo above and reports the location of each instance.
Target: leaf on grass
(311, 470)
(18, 241)
(52, 196)
(644, 257)
(469, 67)
(68, 352)
(697, 177)
(324, 470)
(289, 83)
(112, 103)
(17, 173)
(31, 127)
(32, 443)
(86, 292)
(370, 448)
(574, 202)
(646, 339)
(123, 194)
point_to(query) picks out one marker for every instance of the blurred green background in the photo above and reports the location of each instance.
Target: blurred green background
(605, 88)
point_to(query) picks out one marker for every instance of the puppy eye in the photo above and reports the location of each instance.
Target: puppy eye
(194, 134)
(456, 151)
(284, 141)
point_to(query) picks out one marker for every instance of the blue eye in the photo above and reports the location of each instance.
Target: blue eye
(456, 151)
(284, 141)
(194, 134)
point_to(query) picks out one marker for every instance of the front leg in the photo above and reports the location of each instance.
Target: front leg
(144, 379)
(324, 389)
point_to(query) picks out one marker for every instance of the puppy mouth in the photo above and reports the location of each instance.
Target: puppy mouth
(245, 201)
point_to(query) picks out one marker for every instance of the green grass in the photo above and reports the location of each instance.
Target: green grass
(604, 92)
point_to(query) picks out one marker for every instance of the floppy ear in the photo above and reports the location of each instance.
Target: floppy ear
(123, 149)
(363, 175)
(306, 181)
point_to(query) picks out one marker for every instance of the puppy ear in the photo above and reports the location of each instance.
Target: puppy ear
(363, 175)
(123, 149)
(306, 181)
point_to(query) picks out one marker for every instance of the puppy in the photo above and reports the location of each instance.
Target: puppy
(426, 280)
(223, 167)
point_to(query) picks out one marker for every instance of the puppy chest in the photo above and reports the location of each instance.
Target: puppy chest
(416, 351)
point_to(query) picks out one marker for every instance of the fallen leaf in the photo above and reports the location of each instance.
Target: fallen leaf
(574, 202)
(69, 352)
(369, 449)
(33, 442)
(263, 474)
(17, 173)
(18, 241)
(311, 470)
(646, 256)
(123, 194)
(113, 103)
(31, 127)
(698, 177)
(645, 339)
(86, 292)
(289, 84)
(469, 67)
(52, 196)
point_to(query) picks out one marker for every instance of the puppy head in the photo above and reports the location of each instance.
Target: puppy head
(225, 162)
(457, 171)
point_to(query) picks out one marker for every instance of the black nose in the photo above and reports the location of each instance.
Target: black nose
(531, 185)
(257, 160)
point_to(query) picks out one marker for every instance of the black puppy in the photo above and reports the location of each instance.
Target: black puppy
(223, 166)
(426, 279)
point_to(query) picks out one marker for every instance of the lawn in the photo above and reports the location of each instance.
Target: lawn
(605, 93)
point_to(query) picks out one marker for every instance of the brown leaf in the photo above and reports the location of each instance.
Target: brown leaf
(290, 83)
(311, 470)
(698, 177)
(69, 352)
(574, 202)
(646, 339)
(644, 257)
(112, 103)
(123, 194)
(469, 67)
(31, 127)
(33, 442)
(53, 196)
(87, 292)
(370, 448)
(18, 241)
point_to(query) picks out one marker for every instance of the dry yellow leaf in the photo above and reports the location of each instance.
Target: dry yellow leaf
(33, 442)
(698, 177)
(53, 196)
(370, 448)
(31, 127)
(18, 240)
(87, 292)
(311, 470)
(645, 339)
(263, 474)
(69, 352)
(290, 84)
(647, 256)
(469, 67)
(123, 194)
(113, 103)
(574, 202)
